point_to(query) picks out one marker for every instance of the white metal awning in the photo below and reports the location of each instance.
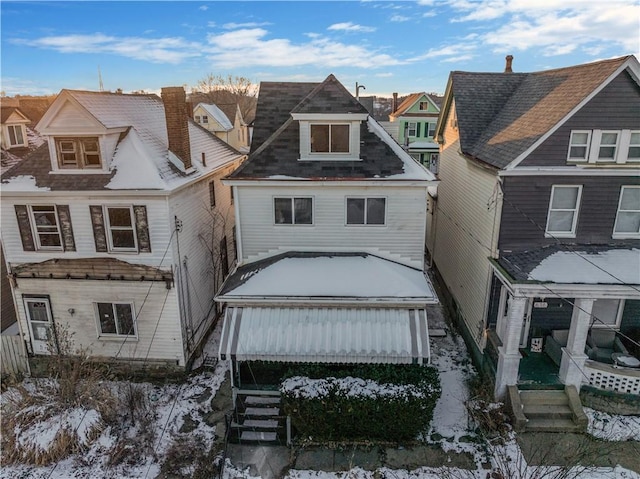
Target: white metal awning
(325, 335)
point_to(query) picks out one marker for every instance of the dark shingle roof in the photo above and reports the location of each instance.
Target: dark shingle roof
(275, 147)
(500, 115)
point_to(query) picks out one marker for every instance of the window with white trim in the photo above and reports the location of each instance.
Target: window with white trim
(205, 119)
(293, 210)
(45, 227)
(16, 135)
(579, 145)
(366, 211)
(423, 106)
(431, 129)
(330, 138)
(116, 320)
(608, 147)
(627, 223)
(412, 128)
(120, 225)
(606, 313)
(563, 210)
(78, 152)
(633, 154)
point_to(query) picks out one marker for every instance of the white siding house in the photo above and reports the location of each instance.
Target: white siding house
(106, 227)
(331, 220)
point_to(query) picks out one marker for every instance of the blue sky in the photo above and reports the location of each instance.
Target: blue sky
(387, 46)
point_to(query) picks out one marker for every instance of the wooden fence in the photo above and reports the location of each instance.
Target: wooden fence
(13, 356)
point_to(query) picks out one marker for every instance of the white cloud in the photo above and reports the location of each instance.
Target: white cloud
(156, 50)
(556, 27)
(351, 27)
(430, 14)
(235, 26)
(383, 75)
(20, 86)
(449, 52)
(250, 47)
(204, 8)
(400, 18)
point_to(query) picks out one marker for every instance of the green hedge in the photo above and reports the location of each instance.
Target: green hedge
(365, 402)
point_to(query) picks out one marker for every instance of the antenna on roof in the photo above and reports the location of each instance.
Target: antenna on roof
(101, 86)
(358, 90)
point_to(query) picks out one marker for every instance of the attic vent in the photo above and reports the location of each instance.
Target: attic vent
(454, 123)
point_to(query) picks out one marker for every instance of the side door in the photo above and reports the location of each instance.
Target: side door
(40, 321)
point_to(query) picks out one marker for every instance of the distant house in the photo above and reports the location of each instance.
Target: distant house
(330, 227)
(118, 228)
(13, 126)
(416, 119)
(226, 121)
(538, 222)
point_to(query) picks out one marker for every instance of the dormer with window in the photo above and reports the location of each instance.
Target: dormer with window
(330, 137)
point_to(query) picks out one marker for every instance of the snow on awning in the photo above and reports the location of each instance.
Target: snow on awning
(326, 335)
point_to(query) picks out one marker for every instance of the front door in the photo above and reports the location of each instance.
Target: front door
(40, 324)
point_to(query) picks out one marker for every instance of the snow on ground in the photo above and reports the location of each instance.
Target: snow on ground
(175, 402)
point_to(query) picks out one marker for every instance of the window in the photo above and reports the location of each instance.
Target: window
(431, 129)
(366, 211)
(121, 228)
(563, 211)
(212, 194)
(628, 217)
(45, 227)
(606, 313)
(205, 119)
(423, 106)
(634, 146)
(198, 119)
(115, 319)
(78, 152)
(608, 146)
(579, 145)
(293, 211)
(224, 257)
(412, 128)
(16, 138)
(332, 138)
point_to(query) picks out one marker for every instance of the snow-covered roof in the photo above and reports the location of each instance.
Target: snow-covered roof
(329, 276)
(325, 335)
(585, 264)
(216, 113)
(142, 159)
(424, 145)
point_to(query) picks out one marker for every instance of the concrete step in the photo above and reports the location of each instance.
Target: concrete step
(257, 424)
(549, 411)
(552, 425)
(543, 397)
(262, 411)
(262, 400)
(258, 436)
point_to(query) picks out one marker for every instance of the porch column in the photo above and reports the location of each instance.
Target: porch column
(573, 356)
(508, 353)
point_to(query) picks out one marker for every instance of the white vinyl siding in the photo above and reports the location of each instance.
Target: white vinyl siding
(159, 221)
(465, 228)
(157, 318)
(564, 206)
(402, 238)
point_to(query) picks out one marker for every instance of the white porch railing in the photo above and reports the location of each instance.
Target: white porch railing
(612, 378)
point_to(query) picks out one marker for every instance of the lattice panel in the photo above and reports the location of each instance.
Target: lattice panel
(614, 382)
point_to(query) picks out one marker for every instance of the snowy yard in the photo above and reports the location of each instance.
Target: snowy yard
(181, 413)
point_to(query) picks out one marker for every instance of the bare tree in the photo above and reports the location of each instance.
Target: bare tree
(228, 89)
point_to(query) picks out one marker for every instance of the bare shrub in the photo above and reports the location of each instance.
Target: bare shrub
(191, 456)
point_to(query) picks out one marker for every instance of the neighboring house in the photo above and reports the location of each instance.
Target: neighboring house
(226, 121)
(538, 222)
(330, 225)
(13, 126)
(118, 228)
(416, 119)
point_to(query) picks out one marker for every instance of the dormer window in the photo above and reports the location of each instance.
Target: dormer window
(329, 138)
(423, 106)
(78, 153)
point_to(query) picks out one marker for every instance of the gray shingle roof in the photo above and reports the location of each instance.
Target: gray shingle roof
(500, 115)
(275, 148)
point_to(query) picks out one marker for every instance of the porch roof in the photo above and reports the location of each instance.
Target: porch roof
(325, 335)
(328, 278)
(574, 264)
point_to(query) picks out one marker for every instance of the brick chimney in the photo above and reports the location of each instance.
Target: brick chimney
(507, 67)
(394, 103)
(176, 112)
